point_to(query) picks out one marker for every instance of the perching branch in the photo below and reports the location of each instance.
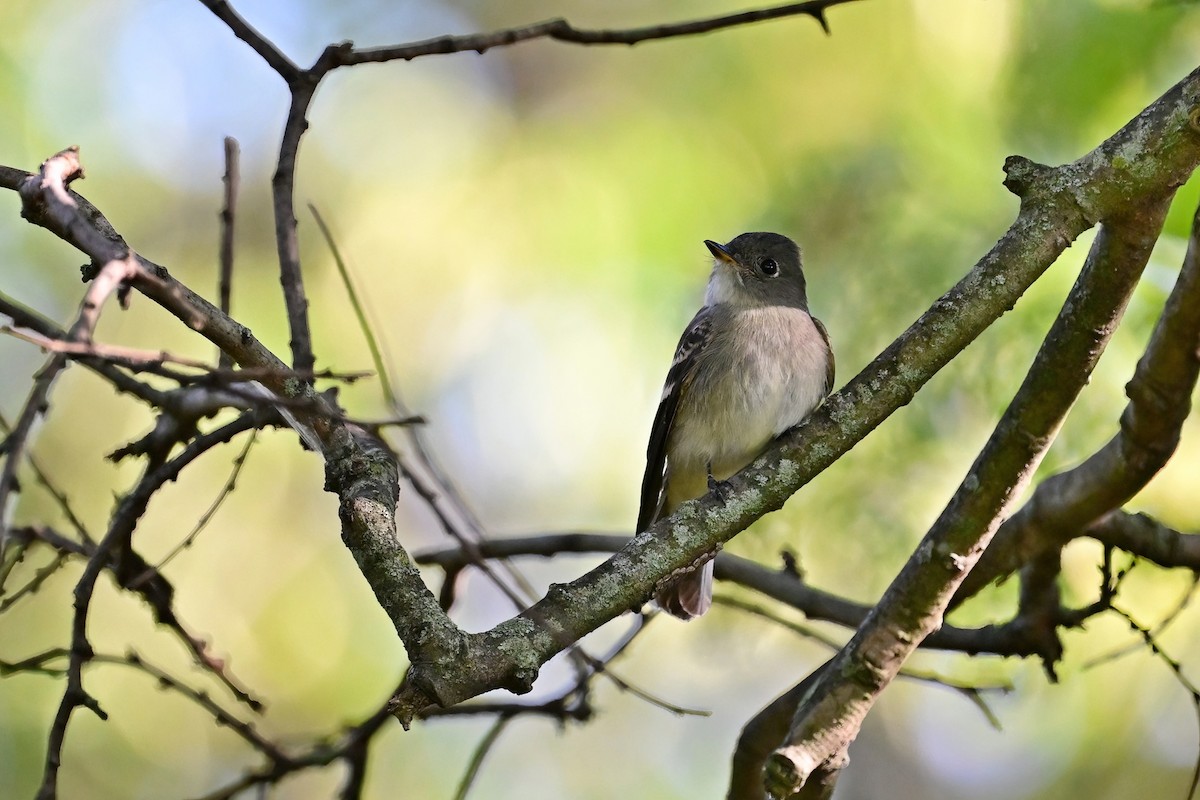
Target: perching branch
(1057, 205)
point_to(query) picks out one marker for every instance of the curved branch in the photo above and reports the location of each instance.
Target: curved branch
(830, 715)
(1160, 396)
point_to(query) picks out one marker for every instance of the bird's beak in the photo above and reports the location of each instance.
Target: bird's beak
(720, 252)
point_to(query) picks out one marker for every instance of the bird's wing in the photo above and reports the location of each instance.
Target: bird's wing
(695, 338)
(830, 369)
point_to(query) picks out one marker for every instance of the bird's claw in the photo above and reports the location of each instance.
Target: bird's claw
(718, 488)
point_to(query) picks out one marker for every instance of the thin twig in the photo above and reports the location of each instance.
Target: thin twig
(60, 497)
(225, 719)
(562, 31)
(971, 692)
(230, 483)
(445, 488)
(108, 352)
(360, 311)
(40, 576)
(25, 317)
(1156, 631)
(36, 664)
(230, 180)
(46, 194)
(1177, 670)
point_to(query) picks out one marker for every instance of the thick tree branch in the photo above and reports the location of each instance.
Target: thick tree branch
(1159, 401)
(831, 714)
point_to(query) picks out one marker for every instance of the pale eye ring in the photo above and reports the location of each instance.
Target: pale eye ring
(769, 267)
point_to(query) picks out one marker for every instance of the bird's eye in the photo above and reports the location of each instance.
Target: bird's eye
(769, 267)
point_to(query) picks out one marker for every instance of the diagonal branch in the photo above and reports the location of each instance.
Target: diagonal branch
(45, 196)
(243, 30)
(829, 716)
(1160, 396)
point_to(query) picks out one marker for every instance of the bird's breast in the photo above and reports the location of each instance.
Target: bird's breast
(763, 372)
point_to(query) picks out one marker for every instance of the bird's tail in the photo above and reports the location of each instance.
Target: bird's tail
(689, 595)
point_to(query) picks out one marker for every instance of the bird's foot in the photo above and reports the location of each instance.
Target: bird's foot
(718, 488)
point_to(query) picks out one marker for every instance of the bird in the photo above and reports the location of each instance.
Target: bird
(751, 364)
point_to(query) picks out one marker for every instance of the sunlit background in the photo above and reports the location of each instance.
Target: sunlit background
(526, 227)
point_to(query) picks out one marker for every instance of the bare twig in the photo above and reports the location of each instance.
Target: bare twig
(1176, 670)
(258, 43)
(108, 352)
(60, 497)
(227, 489)
(110, 278)
(360, 312)
(1156, 631)
(45, 196)
(245, 730)
(114, 552)
(562, 31)
(228, 219)
(36, 664)
(523, 593)
(24, 317)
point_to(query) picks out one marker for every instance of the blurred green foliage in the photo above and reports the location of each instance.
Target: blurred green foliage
(527, 227)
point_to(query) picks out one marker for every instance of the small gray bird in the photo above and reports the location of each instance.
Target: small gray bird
(751, 364)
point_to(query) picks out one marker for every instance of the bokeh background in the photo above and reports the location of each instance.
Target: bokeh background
(526, 226)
